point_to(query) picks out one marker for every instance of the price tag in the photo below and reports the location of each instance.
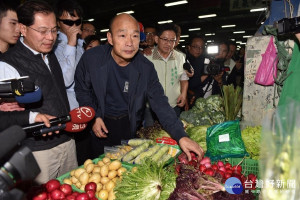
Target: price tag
(224, 138)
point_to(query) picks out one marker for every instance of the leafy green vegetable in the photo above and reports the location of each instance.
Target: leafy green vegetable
(200, 104)
(233, 98)
(198, 134)
(153, 132)
(151, 181)
(252, 137)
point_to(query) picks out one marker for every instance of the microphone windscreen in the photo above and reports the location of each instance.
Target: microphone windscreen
(82, 114)
(10, 138)
(30, 97)
(74, 128)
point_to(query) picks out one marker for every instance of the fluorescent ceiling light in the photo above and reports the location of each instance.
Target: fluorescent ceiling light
(103, 39)
(258, 9)
(243, 43)
(181, 40)
(207, 16)
(104, 30)
(164, 22)
(184, 36)
(127, 12)
(176, 3)
(209, 34)
(247, 36)
(183, 45)
(209, 41)
(237, 32)
(238, 42)
(91, 20)
(228, 26)
(232, 39)
(194, 29)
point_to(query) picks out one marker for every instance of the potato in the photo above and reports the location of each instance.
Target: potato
(88, 161)
(100, 163)
(78, 172)
(89, 168)
(84, 178)
(67, 181)
(82, 187)
(121, 171)
(134, 169)
(96, 169)
(104, 171)
(115, 179)
(112, 174)
(104, 180)
(95, 178)
(103, 194)
(99, 187)
(78, 185)
(106, 160)
(74, 179)
(115, 165)
(72, 172)
(111, 195)
(109, 186)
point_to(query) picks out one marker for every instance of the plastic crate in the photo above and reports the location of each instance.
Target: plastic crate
(67, 175)
(249, 166)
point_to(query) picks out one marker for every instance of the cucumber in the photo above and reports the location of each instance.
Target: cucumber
(135, 152)
(162, 150)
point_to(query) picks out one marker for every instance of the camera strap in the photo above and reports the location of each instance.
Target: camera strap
(207, 85)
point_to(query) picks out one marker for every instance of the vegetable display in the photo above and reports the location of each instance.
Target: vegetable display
(198, 134)
(207, 111)
(233, 98)
(150, 181)
(152, 132)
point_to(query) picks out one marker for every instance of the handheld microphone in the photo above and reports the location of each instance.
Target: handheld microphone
(30, 97)
(76, 121)
(17, 87)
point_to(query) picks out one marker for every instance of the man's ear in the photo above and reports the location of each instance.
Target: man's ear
(23, 29)
(156, 39)
(109, 38)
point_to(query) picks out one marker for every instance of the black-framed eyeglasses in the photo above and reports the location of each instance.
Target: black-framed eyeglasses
(197, 47)
(165, 40)
(69, 22)
(45, 31)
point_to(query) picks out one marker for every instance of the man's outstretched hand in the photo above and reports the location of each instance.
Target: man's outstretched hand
(187, 145)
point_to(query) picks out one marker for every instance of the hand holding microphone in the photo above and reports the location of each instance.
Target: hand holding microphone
(76, 121)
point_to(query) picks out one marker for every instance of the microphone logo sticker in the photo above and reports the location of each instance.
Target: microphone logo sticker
(85, 111)
(78, 127)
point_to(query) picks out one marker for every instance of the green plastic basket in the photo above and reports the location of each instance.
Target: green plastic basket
(249, 166)
(67, 175)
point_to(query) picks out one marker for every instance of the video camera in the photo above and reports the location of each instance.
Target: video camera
(212, 65)
(288, 25)
(17, 163)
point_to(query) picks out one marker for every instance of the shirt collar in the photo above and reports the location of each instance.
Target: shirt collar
(157, 56)
(33, 51)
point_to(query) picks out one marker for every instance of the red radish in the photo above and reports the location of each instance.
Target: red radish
(222, 173)
(209, 172)
(237, 172)
(71, 197)
(220, 164)
(207, 165)
(222, 169)
(91, 193)
(205, 160)
(82, 196)
(214, 167)
(57, 194)
(49, 197)
(52, 185)
(194, 157)
(90, 186)
(227, 176)
(75, 194)
(202, 168)
(237, 168)
(229, 171)
(228, 166)
(41, 196)
(66, 188)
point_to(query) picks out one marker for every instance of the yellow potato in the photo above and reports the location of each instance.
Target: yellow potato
(134, 169)
(104, 171)
(109, 186)
(100, 163)
(112, 174)
(115, 179)
(89, 168)
(96, 169)
(88, 161)
(82, 187)
(121, 171)
(115, 165)
(67, 181)
(99, 187)
(74, 179)
(78, 172)
(104, 180)
(72, 172)
(106, 160)
(95, 178)
(78, 185)
(103, 194)
(111, 195)
(84, 178)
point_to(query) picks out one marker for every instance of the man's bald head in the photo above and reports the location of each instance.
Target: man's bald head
(119, 19)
